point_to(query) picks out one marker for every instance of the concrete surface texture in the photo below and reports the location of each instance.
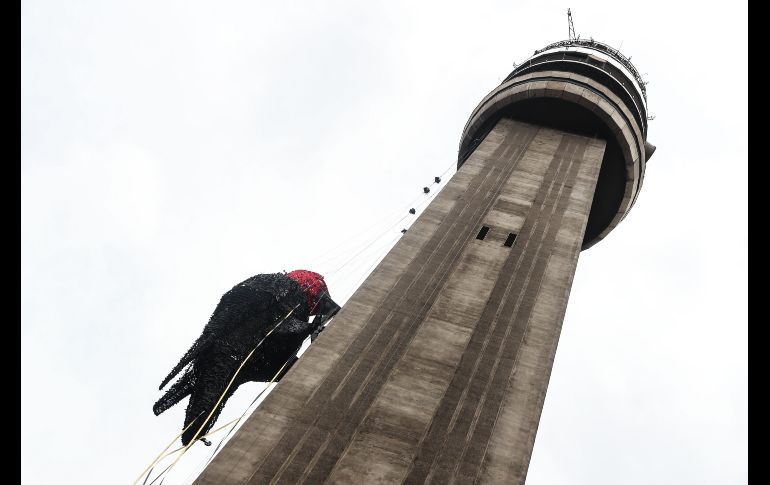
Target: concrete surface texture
(436, 369)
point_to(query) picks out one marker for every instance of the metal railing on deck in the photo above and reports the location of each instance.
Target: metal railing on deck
(601, 47)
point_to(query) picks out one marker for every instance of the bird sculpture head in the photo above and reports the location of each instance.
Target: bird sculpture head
(314, 287)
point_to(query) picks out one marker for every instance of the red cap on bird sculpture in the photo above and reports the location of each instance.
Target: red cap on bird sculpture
(312, 284)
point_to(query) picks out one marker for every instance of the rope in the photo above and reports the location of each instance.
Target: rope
(196, 437)
(395, 224)
(323, 257)
(389, 246)
(229, 384)
(233, 422)
(160, 455)
(163, 454)
(390, 228)
(252, 403)
(181, 448)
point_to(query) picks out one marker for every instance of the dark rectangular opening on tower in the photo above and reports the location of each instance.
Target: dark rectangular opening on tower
(482, 233)
(509, 241)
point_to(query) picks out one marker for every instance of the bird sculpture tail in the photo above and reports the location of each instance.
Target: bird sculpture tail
(207, 398)
(181, 389)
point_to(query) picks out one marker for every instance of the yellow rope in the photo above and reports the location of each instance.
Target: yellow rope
(161, 454)
(204, 436)
(195, 437)
(236, 420)
(266, 387)
(184, 449)
(249, 407)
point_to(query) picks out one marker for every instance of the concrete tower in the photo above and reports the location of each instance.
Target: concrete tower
(436, 369)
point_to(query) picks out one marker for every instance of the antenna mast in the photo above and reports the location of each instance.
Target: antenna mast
(571, 25)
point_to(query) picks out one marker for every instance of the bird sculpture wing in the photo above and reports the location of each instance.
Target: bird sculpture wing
(237, 306)
(216, 379)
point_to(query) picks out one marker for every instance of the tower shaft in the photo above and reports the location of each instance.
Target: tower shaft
(436, 369)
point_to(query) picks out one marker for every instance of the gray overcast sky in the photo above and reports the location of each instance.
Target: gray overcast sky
(170, 149)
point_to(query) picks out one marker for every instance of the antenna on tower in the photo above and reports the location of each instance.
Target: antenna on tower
(571, 25)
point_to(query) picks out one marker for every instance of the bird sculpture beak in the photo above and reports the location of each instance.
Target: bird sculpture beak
(327, 308)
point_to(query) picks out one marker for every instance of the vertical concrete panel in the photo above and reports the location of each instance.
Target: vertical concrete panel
(388, 436)
(436, 368)
(506, 456)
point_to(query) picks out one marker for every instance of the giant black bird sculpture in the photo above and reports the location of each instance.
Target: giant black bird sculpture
(281, 302)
